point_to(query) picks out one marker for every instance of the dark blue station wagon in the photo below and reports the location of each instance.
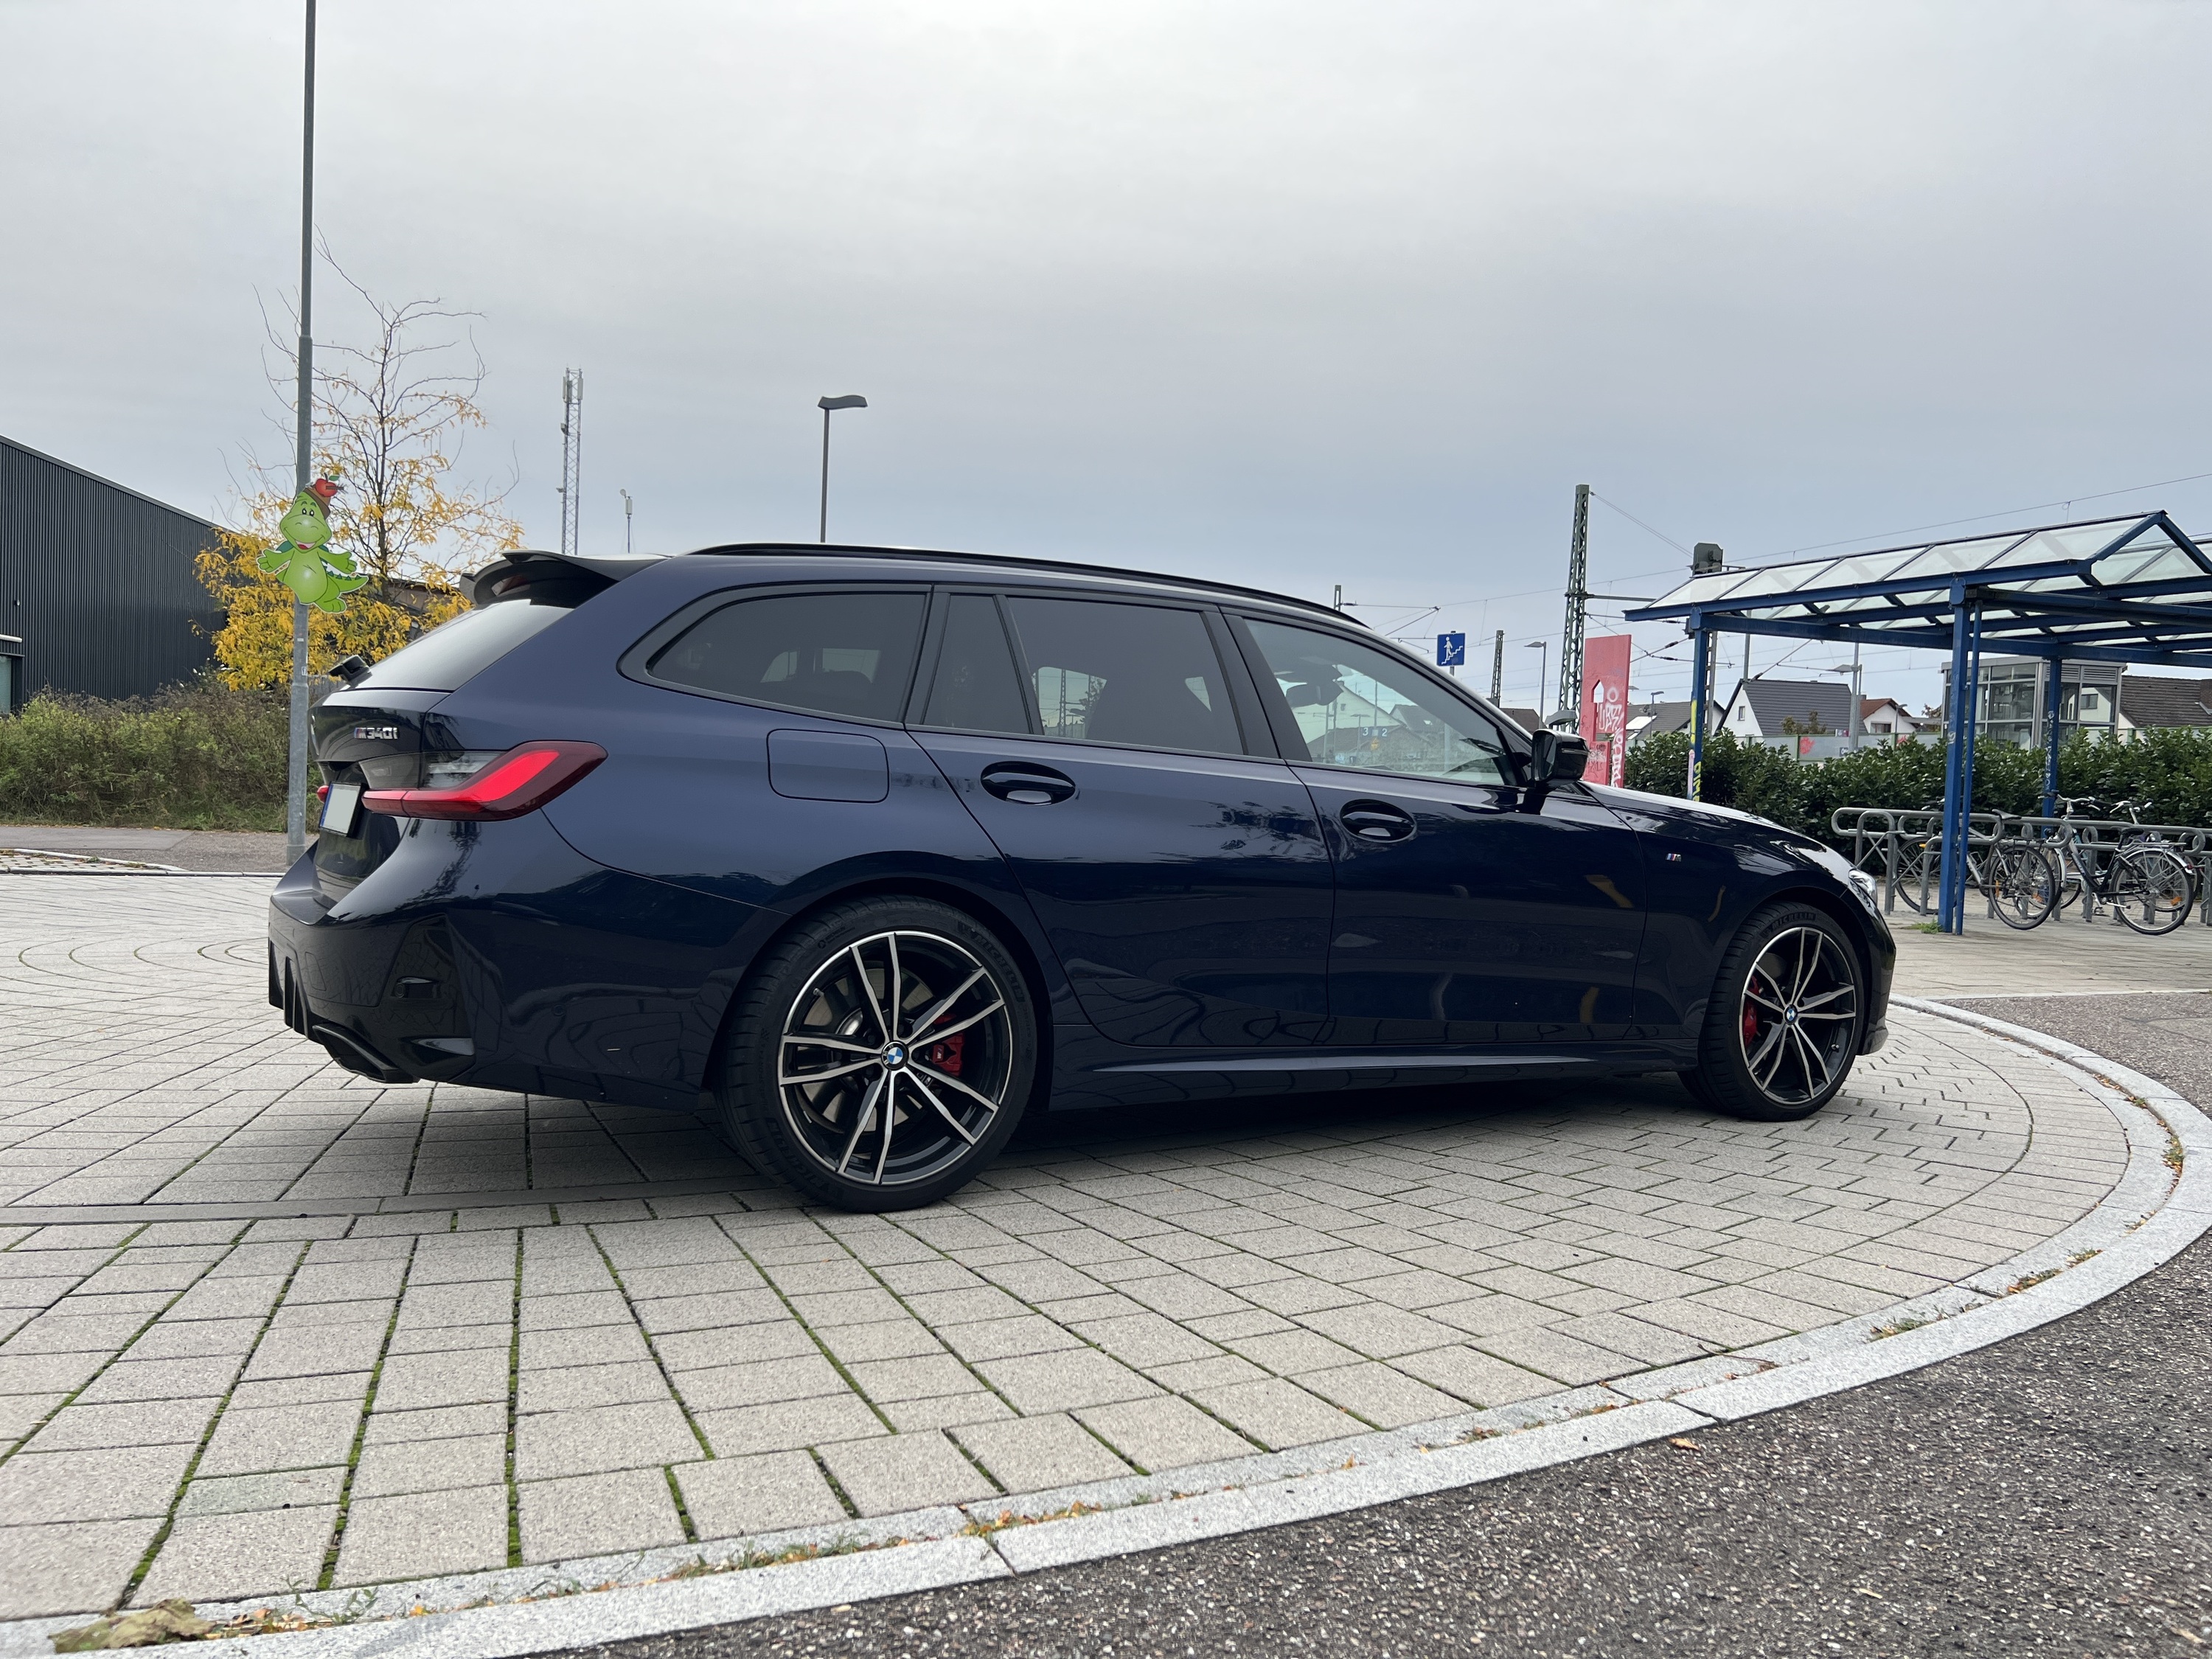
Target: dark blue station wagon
(866, 851)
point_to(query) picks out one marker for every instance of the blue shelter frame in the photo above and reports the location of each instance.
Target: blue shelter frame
(2133, 590)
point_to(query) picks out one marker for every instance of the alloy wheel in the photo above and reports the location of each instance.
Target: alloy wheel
(1799, 1016)
(895, 1057)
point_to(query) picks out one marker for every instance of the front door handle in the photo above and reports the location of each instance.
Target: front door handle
(1027, 784)
(1376, 820)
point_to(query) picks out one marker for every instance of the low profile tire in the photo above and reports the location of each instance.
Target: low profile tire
(1788, 1011)
(880, 1055)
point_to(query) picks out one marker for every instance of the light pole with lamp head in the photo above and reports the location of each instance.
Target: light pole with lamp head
(628, 508)
(827, 405)
(1544, 646)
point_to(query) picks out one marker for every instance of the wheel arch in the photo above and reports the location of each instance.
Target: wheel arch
(1002, 925)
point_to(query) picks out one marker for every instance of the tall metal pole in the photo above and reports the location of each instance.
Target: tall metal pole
(1498, 668)
(1568, 715)
(295, 792)
(2054, 704)
(1701, 669)
(825, 475)
(1949, 899)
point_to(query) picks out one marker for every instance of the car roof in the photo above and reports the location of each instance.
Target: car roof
(534, 564)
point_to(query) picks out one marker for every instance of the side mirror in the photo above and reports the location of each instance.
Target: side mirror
(1556, 757)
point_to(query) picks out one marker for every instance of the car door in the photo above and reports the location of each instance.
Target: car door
(1175, 863)
(1468, 908)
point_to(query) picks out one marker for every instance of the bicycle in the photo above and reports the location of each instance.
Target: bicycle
(2145, 875)
(2015, 876)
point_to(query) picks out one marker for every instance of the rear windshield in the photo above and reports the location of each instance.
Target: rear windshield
(454, 653)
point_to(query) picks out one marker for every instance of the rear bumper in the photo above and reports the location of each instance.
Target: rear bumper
(496, 955)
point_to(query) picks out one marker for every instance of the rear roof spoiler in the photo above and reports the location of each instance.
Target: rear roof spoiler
(529, 565)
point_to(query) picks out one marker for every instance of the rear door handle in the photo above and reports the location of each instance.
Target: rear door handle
(1027, 784)
(1376, 820)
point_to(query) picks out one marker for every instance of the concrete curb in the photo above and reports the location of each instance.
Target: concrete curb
(2154, 1212)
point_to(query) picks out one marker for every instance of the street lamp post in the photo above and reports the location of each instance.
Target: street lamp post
(1544, 646)
(828, 405)
(628, 508)
(296, 791)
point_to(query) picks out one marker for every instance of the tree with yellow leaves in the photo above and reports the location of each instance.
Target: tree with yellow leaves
(390, 416)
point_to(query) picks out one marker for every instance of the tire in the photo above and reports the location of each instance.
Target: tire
(1790, 971)
(2026, 884)
(822, 1085)
(2152, 889)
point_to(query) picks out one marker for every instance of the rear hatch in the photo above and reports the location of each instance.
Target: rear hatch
(382, 730)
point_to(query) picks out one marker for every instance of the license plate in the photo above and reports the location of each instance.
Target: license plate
(341, 809)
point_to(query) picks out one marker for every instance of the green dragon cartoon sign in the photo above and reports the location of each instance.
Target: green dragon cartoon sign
(304, 560)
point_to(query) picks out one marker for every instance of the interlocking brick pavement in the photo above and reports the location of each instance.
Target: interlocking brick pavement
(514, 1342)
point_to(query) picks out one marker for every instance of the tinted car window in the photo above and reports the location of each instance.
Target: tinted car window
(977, 688)
(454, 653)
(1358, 706)
(848, 653)
(1125, 673)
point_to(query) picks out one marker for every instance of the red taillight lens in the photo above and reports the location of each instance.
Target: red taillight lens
(521, 781)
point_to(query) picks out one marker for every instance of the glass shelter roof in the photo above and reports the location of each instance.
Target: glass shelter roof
(2135, 589)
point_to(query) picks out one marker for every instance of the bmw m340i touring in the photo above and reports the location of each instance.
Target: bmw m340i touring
(866, 851)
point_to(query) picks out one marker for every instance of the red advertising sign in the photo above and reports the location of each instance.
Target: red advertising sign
(1605, 707)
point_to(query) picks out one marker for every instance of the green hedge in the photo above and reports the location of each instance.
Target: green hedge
(199, 757)
(2171, 769)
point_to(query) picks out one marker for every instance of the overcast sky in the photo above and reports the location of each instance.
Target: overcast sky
(1288, 294)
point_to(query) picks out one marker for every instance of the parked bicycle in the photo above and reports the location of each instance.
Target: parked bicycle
(2014, 876)
(2149, 884)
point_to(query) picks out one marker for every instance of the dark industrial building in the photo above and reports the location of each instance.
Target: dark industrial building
(97, 593)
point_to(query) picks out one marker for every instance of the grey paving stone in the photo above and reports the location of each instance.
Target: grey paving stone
(47, 1373)
(196, 1339)
(350, 1386)
(893, 1338)
(1066, 1381)
(434, 1423)
(293, 1489)
(249, 1441)
(596, 1345)
(422, 1535)
(317, 1350)
(553, 1444)
(1473, 1377)
(903, 1472)
(806, 1377)
(62, 1332)
(1005, 1339)
(1164, 1434)
(68, 1569)
(788, 1424)
(410, 1381)
(225, 1557)
(943, 1411)
(146, 1423)
(887, 1380)
(628, 1382)
(744, 1345)
(384, 1471)
(1031, 1454)
(731, 1497)
(1277, 1412)
(598, 1513)
(115, 1484)
(1375, 1393)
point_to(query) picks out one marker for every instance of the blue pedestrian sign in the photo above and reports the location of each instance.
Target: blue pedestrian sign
(1451, 650)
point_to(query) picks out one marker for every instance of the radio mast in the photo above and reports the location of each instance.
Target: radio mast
(1569, 714)
(572, 457)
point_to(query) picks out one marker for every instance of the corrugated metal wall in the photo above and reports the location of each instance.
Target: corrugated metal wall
(98, 581)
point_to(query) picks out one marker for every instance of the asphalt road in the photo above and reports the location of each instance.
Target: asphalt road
(2048, 1496)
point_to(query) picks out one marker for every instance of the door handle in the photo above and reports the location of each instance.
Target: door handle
(1376, 820)
(1027, 784)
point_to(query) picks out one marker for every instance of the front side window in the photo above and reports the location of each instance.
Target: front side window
(846, 653)
(1144, 675)
(1358, 706)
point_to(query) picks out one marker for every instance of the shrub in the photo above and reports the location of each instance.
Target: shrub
(194, 757)
(2171, 770)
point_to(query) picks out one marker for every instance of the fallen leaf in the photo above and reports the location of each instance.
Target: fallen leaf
(1683, 1442)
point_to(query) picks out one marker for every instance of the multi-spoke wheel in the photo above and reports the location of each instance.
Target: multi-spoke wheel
(1783, 1023)
(881, 1056)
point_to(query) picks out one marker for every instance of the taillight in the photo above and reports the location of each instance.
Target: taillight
(520, 780)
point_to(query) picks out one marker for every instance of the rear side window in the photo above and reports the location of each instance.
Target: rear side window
(848, 654)
(452, 654)
(1138, 674)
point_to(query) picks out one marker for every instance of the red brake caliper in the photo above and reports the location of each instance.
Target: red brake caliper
(945, 1055)
(1750, 1016)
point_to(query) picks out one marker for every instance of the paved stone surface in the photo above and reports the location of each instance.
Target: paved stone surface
(182, 849)
(2065, 955)
(578, 1315)
(2046, 1496)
